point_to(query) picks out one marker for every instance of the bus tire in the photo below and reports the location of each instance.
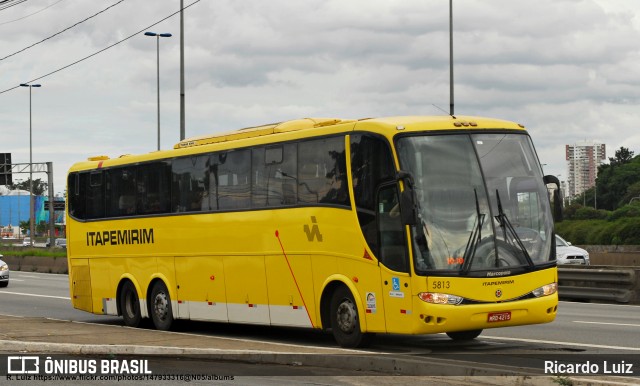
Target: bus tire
(130, 305)
(464, 335)
(345, 321)
(160, 307)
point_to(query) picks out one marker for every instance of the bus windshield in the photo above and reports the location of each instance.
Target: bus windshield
(482, 202)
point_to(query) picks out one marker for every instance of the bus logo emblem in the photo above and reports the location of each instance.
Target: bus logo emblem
(498, 293)
(313, 232)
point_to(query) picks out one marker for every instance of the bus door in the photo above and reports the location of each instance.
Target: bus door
(393, 257)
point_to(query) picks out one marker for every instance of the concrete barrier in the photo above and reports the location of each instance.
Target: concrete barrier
(618, 255)
(607, 284)
(43, 264)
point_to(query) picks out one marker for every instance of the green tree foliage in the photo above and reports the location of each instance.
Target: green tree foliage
(617, 219)
(616, 181)
(622, 156)
(24, 226)
(39, 187)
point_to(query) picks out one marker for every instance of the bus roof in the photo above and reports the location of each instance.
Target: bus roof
(250, 132)
(411, 123)
(306, 127)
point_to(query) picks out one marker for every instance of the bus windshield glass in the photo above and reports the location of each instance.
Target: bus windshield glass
(482, 203)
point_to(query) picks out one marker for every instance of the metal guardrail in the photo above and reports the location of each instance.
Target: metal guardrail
(607, 284)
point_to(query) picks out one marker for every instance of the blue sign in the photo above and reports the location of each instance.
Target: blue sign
(395, 282)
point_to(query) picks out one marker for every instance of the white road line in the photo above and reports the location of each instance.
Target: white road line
(30, 277)
(35, 295)
(41, 275)
(611, 324)
(569, 304)
(562, 343)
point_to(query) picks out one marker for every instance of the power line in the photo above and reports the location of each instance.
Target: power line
(102, 50)
(9, 3)
(66, 29)
(36, 12)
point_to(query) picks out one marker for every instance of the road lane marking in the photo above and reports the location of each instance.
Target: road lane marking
(561, 343)
(43, 276)
(611, 324)
(35, 295)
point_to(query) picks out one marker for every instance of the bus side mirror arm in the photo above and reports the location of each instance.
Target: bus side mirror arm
(408, 201)
(557, 197)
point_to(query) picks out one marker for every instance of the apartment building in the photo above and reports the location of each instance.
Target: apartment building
(583, 160)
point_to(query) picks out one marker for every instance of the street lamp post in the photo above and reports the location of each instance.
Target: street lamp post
(31, 211)
(158, 36)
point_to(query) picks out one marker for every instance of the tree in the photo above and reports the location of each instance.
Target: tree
(24, 226)
(616, 178)
(39, 186)
(41, 228)
(622, 156)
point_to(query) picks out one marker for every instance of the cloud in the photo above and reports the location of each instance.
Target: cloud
(565, 68)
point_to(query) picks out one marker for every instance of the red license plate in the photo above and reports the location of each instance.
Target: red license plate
(499, 316)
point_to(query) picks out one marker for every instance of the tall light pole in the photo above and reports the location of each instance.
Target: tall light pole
(182, 113)
(158, 36)
(31, 214)
(451, 57)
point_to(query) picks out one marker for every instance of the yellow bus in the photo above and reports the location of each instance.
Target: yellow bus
(406, 225)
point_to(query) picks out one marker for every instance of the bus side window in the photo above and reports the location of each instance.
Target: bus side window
(392, 240)
(371, 164)
(77, 188)
(273, 173)
(95, 196)
(230, 184)
(153, 187)
(121, 192)
(190, 184)
(322, 176)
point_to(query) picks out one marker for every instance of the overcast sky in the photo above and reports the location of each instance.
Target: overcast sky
(566, 69)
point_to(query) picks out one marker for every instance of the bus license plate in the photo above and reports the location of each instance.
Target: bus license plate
(499, 316)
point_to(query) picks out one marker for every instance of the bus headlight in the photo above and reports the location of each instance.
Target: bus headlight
(545, 290)
(438, 298)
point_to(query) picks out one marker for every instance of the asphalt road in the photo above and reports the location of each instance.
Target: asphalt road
(584, 327)
(594, 331)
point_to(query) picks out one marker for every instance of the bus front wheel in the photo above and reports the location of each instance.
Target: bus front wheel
(464, 335)
(345, 322)
(130, 305)
(161, 312)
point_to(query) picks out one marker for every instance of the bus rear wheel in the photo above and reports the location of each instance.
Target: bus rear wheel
(130, 305)
(464, 335)
(345, 322)
(161, 312)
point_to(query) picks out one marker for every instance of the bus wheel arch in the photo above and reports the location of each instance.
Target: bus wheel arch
(340, 312)
(159, 305)
(128, 303)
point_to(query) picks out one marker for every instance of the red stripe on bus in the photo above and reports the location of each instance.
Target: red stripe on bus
(294, 278)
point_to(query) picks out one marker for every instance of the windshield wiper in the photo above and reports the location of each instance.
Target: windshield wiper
(505, 224)
(474, 238)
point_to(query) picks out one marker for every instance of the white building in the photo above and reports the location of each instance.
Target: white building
(583, 160)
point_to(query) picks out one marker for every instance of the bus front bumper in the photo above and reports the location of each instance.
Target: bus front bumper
(437, 318)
